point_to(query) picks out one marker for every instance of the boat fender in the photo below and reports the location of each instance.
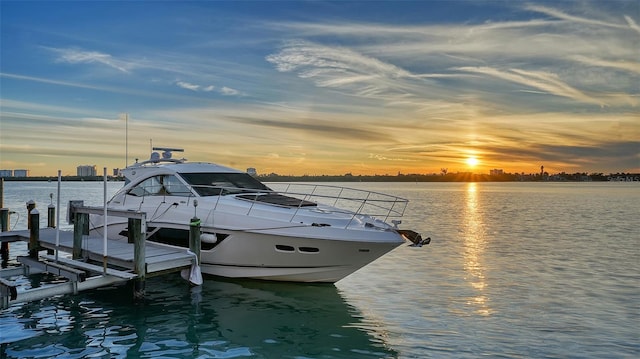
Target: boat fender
(209, 238)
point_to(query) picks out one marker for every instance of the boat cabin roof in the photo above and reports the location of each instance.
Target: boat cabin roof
(144, 170)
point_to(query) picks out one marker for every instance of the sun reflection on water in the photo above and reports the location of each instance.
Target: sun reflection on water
(474, 245)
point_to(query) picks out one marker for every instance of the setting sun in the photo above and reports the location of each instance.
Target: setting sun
(472, 161)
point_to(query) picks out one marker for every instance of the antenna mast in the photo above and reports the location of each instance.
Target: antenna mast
(126, 140)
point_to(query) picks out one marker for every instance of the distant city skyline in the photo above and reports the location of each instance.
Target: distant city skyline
(94, 171)
(323, 87)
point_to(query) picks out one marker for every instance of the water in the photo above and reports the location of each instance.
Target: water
(514, 270)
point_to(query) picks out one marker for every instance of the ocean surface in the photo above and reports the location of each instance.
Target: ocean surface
(514, 270)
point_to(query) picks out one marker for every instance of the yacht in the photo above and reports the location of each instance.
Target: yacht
(285, 232)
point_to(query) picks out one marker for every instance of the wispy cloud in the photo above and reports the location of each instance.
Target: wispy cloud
(552, 55)
(544, 81)
(559, 14)
(78, 56)
(188, 86)
(97, 87)
(632, 23)
(624, 65)
(347, 70)
(163, 64)
(224, 90)
(316, 127)
(229, 91)
(56, 82)
(380, 157)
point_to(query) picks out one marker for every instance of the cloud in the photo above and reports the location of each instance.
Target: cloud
(544, 81)
(304, 54)
(411, 64)
(224, 90)
(385, 158)
(559, 157)
(625, 65)
(28, 109)
(159, 65)
(188, 86)
(112, 89)
(56, 82)
(572, 18)
(348, 71)
(39, 151)
(227, 91)
(632, 24)
(77, 56)
(316, 127)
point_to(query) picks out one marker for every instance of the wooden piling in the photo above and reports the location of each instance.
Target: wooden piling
(8, 291)
(194, 237)
(80, 228)
(51, 216)
(4, 219)
(51, 220)
(31, 204)
(34, 233)
(4, 226)
(139, 256)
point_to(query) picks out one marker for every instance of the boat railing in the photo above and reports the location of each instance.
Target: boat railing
(350, 201)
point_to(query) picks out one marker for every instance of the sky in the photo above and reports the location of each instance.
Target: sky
(322, 87)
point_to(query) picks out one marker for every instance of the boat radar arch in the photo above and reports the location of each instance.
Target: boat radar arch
(167, 154)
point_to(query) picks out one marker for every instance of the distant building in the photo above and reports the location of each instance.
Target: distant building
(252, 171)
(86, 171)
(496, 172)
(20, 173)
(6, 173)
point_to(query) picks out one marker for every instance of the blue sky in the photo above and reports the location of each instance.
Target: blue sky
(298, 87)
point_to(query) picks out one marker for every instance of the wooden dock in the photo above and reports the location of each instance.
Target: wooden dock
(158, 259)
(90, 262)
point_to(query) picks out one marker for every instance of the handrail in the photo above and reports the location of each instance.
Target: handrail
(347, 200)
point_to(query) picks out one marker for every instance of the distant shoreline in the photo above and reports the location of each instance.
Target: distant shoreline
(449, 177)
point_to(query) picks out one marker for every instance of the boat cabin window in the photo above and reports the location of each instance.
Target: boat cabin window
(163, 185)
(215, 184)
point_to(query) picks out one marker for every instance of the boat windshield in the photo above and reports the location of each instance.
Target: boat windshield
(214, 184)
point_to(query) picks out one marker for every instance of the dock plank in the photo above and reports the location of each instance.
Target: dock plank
(91, 267)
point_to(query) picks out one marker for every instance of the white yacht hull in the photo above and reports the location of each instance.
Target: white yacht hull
(281, 256)
(253, 255)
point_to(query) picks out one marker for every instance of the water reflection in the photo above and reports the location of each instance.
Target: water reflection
(221, 319)
(474, 244)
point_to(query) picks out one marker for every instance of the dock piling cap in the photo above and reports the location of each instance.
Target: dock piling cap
(34, 211)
